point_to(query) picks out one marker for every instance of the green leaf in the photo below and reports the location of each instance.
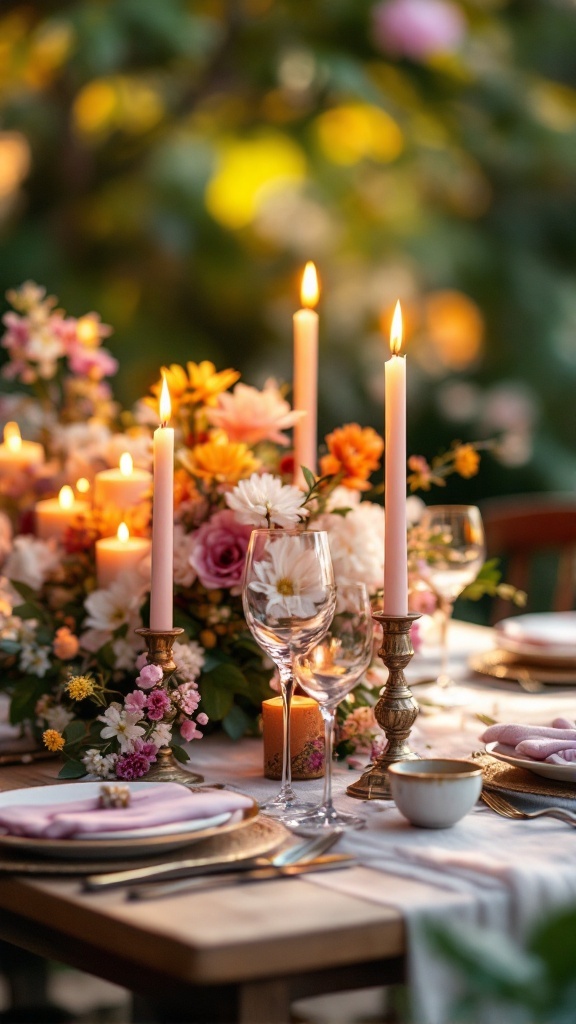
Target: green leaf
(25, 591)
(236, 723)
(309, 477)
(9, 646)
(72, 770)
(555, 943)
(216, 703)
(27, 692)
(74, 732)
(179, 753)
(229, 677)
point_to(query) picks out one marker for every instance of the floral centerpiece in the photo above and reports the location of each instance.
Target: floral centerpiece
(72, 663)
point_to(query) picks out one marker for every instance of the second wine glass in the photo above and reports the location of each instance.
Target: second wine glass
(289, 597)
(327, 673)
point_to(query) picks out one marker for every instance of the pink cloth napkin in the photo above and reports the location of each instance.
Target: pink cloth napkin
(167, 802)
(554, 743)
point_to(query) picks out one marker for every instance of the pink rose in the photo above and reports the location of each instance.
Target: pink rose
(157, 704)
(417, 29)
(219, 551)
(149, 676)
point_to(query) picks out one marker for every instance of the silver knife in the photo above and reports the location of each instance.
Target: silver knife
(264, 874)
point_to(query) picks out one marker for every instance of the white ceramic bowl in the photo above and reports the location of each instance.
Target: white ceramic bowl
(435, 793)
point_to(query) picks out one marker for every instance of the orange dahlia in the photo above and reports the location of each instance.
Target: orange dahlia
(354, 451)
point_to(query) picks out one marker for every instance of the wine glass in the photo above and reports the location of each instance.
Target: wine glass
(289, 597)
(327, 673)
(452, 551)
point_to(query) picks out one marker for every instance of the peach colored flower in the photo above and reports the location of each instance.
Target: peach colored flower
(250, 415)
(354, 452)
(220, 461)
(466, 461)
(66, 644)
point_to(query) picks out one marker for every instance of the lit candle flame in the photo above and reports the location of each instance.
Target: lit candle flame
(396, 331)
(83, 485)
(165, 405)
(66, 497)
(127, 462)
(12, 437)
(309, 291)
(123, 533)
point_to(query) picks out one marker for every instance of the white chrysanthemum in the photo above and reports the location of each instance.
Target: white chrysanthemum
(116, 606)
(356, 544)
(99, 764)
(263, 500)
(184, 571)
(251, 416)
(291, 580)
(121, 725)
(35, 660)
(162, 735)
(189, 660)
(32, 560)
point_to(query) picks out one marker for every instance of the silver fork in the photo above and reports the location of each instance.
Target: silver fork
(502, 806)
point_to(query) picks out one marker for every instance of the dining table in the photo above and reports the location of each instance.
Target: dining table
(244, 953)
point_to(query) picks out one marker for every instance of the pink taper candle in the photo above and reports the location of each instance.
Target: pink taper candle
(161, 594)
(395, 546)
(306, 375)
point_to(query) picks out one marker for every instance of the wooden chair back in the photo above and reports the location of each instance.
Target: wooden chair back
(521, 528)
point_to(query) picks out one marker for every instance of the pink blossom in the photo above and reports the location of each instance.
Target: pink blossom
(417, 29)
(157, 704)
(219, 551)
(148, 749)
(251, 416)
(202, 718)
(149, 676)
(189, 700)
(135, 702)
(92, 362)
(141, 660)
(189, 731)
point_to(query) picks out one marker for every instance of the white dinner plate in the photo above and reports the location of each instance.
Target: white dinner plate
(130, 842)
(547, 637)
(560, 772)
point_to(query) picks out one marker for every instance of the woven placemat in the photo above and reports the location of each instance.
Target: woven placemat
(499, 775)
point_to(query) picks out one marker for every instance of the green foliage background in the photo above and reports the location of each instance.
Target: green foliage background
(127, 109)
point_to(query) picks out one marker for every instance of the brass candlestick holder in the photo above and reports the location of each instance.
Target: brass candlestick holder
(395, 712)
(166, 768)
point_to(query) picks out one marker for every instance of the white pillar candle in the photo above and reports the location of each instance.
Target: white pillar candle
(161, 594)
(306, 376)
(123, 487)
(55, 515)
(16, 454)
(115, 555)
(395, 543)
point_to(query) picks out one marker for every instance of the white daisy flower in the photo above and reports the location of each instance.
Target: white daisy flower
(263, 500)
(291, 580)
(35, 660)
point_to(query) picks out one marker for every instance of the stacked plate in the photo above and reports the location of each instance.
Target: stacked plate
(539, 647)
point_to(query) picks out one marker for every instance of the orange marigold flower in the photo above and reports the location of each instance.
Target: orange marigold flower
(206, 384)
(354, 451)
(466, 461)
(220, 461)
(53, 739)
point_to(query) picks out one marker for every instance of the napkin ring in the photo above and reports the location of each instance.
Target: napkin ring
(114, 796)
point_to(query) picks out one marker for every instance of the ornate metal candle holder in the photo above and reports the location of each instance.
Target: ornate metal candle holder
(395, 712)
(166, 768)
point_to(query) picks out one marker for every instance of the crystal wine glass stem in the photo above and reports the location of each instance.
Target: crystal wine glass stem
(446, 608)
(287, 687)
(328, 714)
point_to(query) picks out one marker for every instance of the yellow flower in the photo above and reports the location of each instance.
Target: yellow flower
(220, 461)
(80, 687)
(206, 384)
(466, 461)
(53, 739)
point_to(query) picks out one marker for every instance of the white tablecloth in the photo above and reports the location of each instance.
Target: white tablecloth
(486, 870)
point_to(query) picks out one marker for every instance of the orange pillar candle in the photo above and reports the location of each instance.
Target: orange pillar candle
(306, 738)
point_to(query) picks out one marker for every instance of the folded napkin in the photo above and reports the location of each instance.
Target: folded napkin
(554, 743)
(159, 805)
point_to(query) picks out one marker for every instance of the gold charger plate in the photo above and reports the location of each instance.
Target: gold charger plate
(504, 665)
(259, 838)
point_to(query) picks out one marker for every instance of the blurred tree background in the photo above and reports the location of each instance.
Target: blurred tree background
(173, 163)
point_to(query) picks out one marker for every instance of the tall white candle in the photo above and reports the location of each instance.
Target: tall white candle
(306, 376)
(161, 594)
(395, 544)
